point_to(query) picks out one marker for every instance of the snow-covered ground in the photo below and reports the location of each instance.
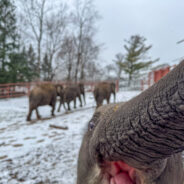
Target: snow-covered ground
(34, 153)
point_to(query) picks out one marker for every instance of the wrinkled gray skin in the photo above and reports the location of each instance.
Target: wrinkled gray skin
(70, 93)
(43, 94)
(146, 132)
(82, 91)
(103, 91)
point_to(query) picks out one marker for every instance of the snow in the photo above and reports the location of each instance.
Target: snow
(34, 153)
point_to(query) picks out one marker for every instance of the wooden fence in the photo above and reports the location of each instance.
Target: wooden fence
(11, 90)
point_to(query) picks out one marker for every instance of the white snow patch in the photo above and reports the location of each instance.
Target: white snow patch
(35, 153)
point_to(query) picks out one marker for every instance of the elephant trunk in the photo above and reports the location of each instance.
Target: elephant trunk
(148, 128)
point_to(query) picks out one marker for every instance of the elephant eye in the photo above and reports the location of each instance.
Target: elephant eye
(94, 121)
(91, 125)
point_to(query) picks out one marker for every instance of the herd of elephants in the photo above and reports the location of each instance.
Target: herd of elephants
(135, 142)
(46, 94)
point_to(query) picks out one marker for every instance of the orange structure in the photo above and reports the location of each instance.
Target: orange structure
(158, 74)
(155, 76)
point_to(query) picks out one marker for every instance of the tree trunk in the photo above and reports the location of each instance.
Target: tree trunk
(129, 80)
(77, 67)
(78, 53)
(4, 53)
(69, 72)
(39, 59)
(82, 75)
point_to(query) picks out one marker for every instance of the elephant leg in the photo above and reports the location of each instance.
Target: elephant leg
(37, 114)
(99, 103)
(108, 98)
(64, 106)
(68, 103)
(84, 98)
(52, 111)
(59, 106)
(80, 100)
(74, 103)
(114, 97)
(53, 104)
(29, 114)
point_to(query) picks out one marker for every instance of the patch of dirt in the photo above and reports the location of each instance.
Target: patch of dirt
(17, 145)
(4, 138)
(3, 157)
(27, 138)
(2, 129)
(44, 134)
(4, 144)
(41, 140)
(12, 141)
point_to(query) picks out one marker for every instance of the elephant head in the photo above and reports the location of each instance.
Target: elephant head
(140, 141)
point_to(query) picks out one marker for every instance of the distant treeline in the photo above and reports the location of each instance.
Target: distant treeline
(40, 40)
(44, 41)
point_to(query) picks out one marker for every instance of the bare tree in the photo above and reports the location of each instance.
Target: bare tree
(55, 30)
(90, 52)
(84, 18)
(94, 72)
(67, 54)
(33, 13)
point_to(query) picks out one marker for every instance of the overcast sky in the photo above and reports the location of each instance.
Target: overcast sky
(160, 21)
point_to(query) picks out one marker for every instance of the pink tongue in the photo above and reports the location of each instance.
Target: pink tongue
(122, 178)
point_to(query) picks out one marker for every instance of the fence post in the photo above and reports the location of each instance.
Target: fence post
(8, 91)
(28, 88)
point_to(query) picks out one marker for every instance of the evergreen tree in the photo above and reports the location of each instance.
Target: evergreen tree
(22, 66)
(136, 58)
(17, 67)
(47, 69)
(8, 36)
(32, 64)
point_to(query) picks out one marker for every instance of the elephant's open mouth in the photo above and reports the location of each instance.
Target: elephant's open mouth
(120, 173)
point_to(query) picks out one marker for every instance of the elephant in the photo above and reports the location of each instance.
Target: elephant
(82, 91)
(70, 93)
(139, 141)
(103, 91)
(42, 94)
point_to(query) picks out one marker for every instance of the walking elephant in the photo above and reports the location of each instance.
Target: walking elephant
(140, 141)
(103, 91)
(43, 94)
(70, 93)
